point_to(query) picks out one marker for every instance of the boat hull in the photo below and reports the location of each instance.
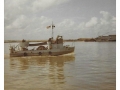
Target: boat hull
(52, 52)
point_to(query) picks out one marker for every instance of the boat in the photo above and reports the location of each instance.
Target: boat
(49, 48)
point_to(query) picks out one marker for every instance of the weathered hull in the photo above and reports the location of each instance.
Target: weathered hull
(52, 52)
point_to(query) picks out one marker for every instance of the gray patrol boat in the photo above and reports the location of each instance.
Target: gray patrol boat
(49, 48)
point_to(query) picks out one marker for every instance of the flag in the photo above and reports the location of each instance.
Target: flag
(48, 27)
(53, 26)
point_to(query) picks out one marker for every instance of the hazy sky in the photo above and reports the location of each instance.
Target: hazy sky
(28, 19)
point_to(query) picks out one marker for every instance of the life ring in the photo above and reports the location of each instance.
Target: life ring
(40, 53)
(25, 54)
(50, 53)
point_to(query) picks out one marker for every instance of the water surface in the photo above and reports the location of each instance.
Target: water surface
(92, 67)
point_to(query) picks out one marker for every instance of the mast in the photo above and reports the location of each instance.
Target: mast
(52, 29)
(51, 26)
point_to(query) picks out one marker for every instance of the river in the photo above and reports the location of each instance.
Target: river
(91, 67)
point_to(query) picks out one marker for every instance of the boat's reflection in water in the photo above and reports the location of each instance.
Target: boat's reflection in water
(50, 70)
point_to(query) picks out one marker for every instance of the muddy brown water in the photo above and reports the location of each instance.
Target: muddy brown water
(91, 67)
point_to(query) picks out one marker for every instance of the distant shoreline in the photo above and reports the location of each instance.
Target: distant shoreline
(67, 40)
